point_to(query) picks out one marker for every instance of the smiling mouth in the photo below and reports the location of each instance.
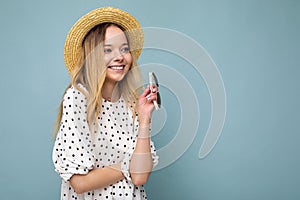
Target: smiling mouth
(117, 67)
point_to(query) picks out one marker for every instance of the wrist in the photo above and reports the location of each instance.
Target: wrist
(144, 121)
(144, 131)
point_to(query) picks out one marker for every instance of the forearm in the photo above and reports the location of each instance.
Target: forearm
(141, 161)
(96, 178)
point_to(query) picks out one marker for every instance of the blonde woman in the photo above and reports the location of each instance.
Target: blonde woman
(103, 148)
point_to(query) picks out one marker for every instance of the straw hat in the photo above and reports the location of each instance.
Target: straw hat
(76, 35)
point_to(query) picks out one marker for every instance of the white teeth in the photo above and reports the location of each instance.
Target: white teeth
(117, 67)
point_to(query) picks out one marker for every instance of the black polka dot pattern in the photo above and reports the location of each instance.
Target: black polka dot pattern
(77, 150)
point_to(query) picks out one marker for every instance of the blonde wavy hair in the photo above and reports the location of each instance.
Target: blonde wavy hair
(91, 74)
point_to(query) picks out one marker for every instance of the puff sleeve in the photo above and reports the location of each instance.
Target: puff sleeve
(73, 149)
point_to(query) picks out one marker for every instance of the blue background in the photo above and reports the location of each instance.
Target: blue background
(255, 45)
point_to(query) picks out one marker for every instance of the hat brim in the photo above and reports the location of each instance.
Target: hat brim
(75, 37)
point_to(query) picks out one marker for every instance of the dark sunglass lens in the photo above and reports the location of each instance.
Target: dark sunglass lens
(158, 100)
(155, 80)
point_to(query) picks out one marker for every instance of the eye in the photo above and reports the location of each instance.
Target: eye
(125, 49)
(107, 50)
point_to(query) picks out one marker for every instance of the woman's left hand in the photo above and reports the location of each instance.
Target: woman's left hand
(145, 104)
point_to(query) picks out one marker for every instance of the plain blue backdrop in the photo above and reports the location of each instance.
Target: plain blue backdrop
(255, 45)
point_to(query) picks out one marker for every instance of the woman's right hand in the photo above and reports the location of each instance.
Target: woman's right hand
(145, 105)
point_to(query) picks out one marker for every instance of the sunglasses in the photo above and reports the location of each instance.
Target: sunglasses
(153, 81)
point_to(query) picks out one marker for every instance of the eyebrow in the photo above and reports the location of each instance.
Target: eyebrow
(112, 45)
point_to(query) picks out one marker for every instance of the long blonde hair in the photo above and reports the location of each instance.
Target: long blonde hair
(91, 75)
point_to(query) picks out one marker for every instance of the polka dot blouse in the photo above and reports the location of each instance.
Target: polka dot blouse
(77, 150)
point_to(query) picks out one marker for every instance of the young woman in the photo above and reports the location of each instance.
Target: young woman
(103, 148)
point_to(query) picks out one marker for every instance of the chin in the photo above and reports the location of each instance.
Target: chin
(115, 78)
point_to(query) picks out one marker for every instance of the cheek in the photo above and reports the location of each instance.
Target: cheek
(106, 60)
(128, 58)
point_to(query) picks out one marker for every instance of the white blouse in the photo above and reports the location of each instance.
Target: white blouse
(77, 150)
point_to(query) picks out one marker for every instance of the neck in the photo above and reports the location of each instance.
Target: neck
(110, 91)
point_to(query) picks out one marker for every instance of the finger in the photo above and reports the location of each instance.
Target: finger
(146, 91)
(154, 89)
(151, 97)
(148, 97)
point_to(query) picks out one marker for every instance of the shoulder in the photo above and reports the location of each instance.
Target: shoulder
(75, 95)
(77, 91)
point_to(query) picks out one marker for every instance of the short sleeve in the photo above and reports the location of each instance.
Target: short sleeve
(154, 154)
(73, 149)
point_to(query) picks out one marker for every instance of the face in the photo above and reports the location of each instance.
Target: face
(117, 56)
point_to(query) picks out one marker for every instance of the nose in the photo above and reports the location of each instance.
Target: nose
(118, 56)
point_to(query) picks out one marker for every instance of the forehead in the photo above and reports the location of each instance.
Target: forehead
(114, 34)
